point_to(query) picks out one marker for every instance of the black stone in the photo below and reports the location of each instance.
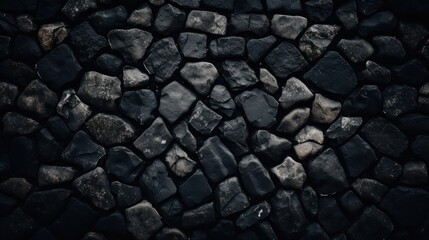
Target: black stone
(54, 175)
(171, 210)
(381, 22)
(230, 198)
(179, 162)
(210, 22)
(167, 233)
(184, 137)
(412, 72)
(175, 100)
(224, 229)
(193, 45)
(109, 64)
(203, 119)
(369, 190)
(195, 189)
(201, 75)
(19, 6)
(388, 48)
(143, 220)
(154, 140)
(111, 224)
(8, 24)
(221, 100)
(155, 182)
(258, 48)
(220, 4)
(249, 23)
(58, 67)
(399, 99)
(265, 230)
(227, 47)
(255, 177)
(131, 43)
(86, 41)
(419, 147)
(73, 110)
(110, 129)
(43, 234)
(123, 164)
(217, 161)
(17, 73)
(387, 170)
(333, 74)
(253, 215)
(238, 74)
(330, 215)
(314, 231)
(285, 60)
(412, 34)
(414, 173)
(169, 20)
(200, 216)
(342, 129)
(103, 21)
(7, 204)
(356, 50)
(357, 156)
(347, 14)
(364, 101)
(16, 187)
(25, 48)
(16, 124)
(37, 99)
(45, 206)
(286, 6)
(48, 148)
(271, 147)
(75, 9)
(125, 195)
(17, 225)
(309, 200)
(244, 6)
(318, 10)
(4, 46)
(374, 73)
(23, 155)
(236, 133)
(373, 223)
(351, 203)
(138, 105)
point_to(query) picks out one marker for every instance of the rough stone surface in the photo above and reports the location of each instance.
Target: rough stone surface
(209, 22)
(201, 75)
(290, 173)
(259, 107)
(110, 129)
(238, 74)
(316, 40)
(285, 60)
(131, 43)
(143, 220)
(154, 140)
(175, 101)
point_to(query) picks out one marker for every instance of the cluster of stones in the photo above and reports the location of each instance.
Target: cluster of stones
(214, 119)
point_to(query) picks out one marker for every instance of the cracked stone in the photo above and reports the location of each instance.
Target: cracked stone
(133, 77)
(238, 74)
(184, 137)
(203, 119)
(143, 220)
(230, 197)
(294, 92)
(288, 26)
(324, 110)
(285, 60)
(227, 47)
(342, 129)
(268, 80)
(290, 173)
(253, 215)
(249, 23)
(73, 110)
(235, 132)
(270, 146)
(259, 47)
(169, 20)
(52, 34)
(294, 120)
(179, 162)
(221, 100)
(193, 45)
(195, 189)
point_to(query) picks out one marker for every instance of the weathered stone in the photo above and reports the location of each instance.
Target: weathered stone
(318, 10)
(51, 35)
(271, 147)
(285, 60)
(253, 215)
(143, 220)
(221, 100)
(294, 120)
(131, 43)
(324, 110)
(249, 23)
(141, 17)
(169, 20)
(290, 173)
(73, 110)
(201, 75)
(55, 175)
(288, 26)
(230, 197)
(356, 50)
(184, 137)
(258, 48)
(268, 80)
(203, 119)
(316, 40)
(294, 92)
(206, 21)
(86, 41)
(133, 77)
(255, 177)
(138, 105)
(193, 45)
(123, 164)
(179, 162)
(154, 140)
(155, 182)
(228, 47)
(259, 107)
(17, 124)
(238, 74)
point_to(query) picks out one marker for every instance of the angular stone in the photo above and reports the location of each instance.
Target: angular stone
(17, 124)
(123, 164)
(249, 23)
(110, 129)
(387, 170)
(110, 64)
(388, 48)
(179, 162)
(268, 80)
(373, 223)
(290, 173)
(143, 220)
(169, 20)
(324, 110)
(156, 183)
(58, 67)
(316, 40)
(86, 41)
(310, 133)
(16, 187)
(259, 107)
(294, 92)
(111, 224)
(131, 43)
(285, 60)
(195, 189)
(255, 177)
(258, 48)
(333, 74)
(351, 203)
(294, 120)
(73, 110)
(414, 173)
(369, 190)
(75, 9)
(37, 99)
(230, 197)
(253, 215)
(108, 19)
(418, 147)
(318, 10)
(227, 47)
(83, 152)
(154, 140)
(163, 60)
(412, 72)
(210, 22)
(184, 137)
(133, 77)
(51, 35)
(95, 186)
(270, 146)
(238, 74)
(306, 149)
(217, 161)
(326, 173)
(357, 156)
(141, 17)
(193, 45)
(364, 101)
(356, 50)
(138, 105)
(399, 99)
(288, 26)
(221, 100)
(55, 175)
(200, 216)
(203, 119)
(125, 195)
(381, 22)
(201, 75)
(46, 205)
(309, 200)
(374, 73)
(8, 94)
(235, 132)
(330, 215)
(347, 14)
(385, 137)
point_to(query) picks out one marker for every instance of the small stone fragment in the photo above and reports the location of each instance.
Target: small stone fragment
(73, 110)
(155, 182)
(290, 173)
(203, 119)
(342, 129)
(309, 200)
(221, 100)
(210, 22)
(316, 40)
(307, 149)
(133, 77)
(324, 110)
(294, 92)
(399, 99)
(268, 80)
(141, 17)
(184, 137)
(374, 73)
(51, 35)
(288, 26)
(154, 140)
(179, 162)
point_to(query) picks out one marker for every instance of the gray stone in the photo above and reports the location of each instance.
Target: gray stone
(228, 47)
(55, 175)
(133, 77)
(184, 137)
(155, 182)
(154, 140)
(230, 197)
(238, 74)
(74, 9)
(141, 17)
(271, 147)
(175, 101)
(290, 173)
(294, 92)
(253, 215)
(235, 132)
(203, 119)
(268, 80)
(221, 100)
(201, 75)
(193, 45)
(169, 20)
(138, 105)
(307, 149)
(316, 40)
(17, 124)
(347, 14)
(110, 129)
(73, 110)
(259, 47)
(179, 162)
(342, 129)
(294, 120)
(8, 94)
(249, 23)
(131, 43)
(143, 220)
(288, 26)
(324, 110)
(356, 50)
(210, 22)
(37, 99)
(310, 133)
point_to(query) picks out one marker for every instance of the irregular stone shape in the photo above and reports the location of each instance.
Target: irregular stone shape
(253, 215)
(169, 20)
(163, 60)
(131, 43)
(203, 119)
(75, 9)
(259, 107)
(154, 140)
(17, 124)
(95, 186)
(219, 4)
(381, 22)
(318, 10)
(110, 129)
(369, 190)
(374, 73)
(235, 132)
(221, 100)
(37, 99)
(201, 75)
(188, 3)
(290, 173)
(200, 216)
(25, 48)
(17, 73)
(294, 120)
(51, 35)
(364, 101)
(125, 195)
(133, 77)
(288, 6)
(351, 203)
(227, 47)
(315, 231)
(258, 48)
(385, 137)
(109, 64)
(387, 170)
(294, 92)
(306, 149)
(324, 110)
(356, 50)
(141, 17)
(288, 26)
(73, 110)
(8, 94)
(55, 175)
(255, 177)
(418, 147)
(316, 40)
(46, 205)
(156, 183)
(285, 60)
(326, 173)
(58, 67)
(268, 80)
(217, 161)
(238, 74)
(83, 152)
(230, 197)
(347, 14)
(123, 164)
(411, 34)
(309, 200)
(143, 220)
(172, 210)
(179, 162)
(22, 152)
(249, 23)
(373, 223)
(357, 156)
(287, 213)
(342, 129)
(108, 19)
(309, 133)
(333, 74)
(407, 206)
(195, 189)
(387, 47)
(48, 148)
(271, 147)
(111, 224)
(193, 45)
(138, 105)
(16, 187)
(412, 72)
(330, 215)
(414, 173)
(86, 41)
(399, 99)
(210, 22)
(184, 137)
